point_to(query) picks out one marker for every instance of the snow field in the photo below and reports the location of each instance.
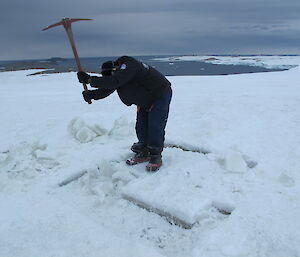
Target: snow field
(248, 126)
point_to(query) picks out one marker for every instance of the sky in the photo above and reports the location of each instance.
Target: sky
(137, 27)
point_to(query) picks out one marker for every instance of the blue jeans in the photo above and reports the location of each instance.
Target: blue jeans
(150, 124)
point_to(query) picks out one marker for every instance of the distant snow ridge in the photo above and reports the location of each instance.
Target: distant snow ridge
(270, 62)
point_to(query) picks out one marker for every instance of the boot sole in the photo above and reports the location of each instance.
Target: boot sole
(153, 168)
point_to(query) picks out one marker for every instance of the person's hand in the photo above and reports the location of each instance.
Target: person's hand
(87, 95)
(83, 77)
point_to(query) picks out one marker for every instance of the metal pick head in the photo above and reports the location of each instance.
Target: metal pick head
(66, 22)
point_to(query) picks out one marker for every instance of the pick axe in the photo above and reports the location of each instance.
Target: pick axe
(66, 22)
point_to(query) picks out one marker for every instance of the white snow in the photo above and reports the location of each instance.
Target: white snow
(63, 177)
(272, 62)
(235, 162)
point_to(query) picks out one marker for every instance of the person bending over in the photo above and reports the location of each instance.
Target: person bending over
(139, 84)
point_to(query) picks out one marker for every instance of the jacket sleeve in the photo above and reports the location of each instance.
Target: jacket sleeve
(122, 76)
(101, 93)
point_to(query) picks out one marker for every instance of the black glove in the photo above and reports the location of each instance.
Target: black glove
(87, 95)
(83, 77)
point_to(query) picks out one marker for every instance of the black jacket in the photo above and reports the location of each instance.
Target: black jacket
(135, 82)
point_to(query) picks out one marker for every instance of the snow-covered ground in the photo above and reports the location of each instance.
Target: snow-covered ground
(271, 62)
(237, 184)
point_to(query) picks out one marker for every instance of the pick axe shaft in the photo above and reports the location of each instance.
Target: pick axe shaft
(66, 22)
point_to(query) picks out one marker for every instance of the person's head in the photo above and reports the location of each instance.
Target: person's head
(108, 68)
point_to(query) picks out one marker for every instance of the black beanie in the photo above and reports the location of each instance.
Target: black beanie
(109, 65)
(107, 68)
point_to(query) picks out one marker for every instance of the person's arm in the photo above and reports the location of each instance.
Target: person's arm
(96, 94)
(101, 93)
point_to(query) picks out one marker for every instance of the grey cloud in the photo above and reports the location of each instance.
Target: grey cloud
(149, 27)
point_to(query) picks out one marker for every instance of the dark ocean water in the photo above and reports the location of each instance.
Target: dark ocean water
(171, 68)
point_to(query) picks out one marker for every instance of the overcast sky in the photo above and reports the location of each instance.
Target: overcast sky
(137, 27)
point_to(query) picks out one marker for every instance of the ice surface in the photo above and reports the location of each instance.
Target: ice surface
(185, 193)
